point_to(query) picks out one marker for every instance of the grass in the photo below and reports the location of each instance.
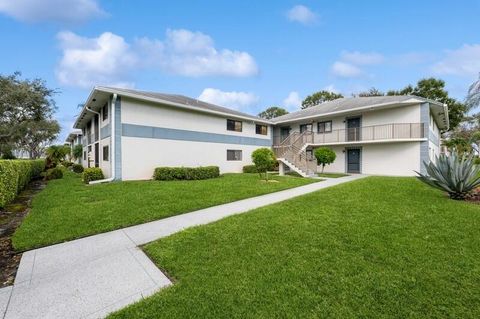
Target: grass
(379, 247)
(332, 175)
(68, 209)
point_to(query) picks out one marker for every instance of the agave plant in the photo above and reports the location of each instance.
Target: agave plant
(455, 174)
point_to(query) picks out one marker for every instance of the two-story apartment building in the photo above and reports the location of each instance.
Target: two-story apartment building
(386, 135)
(127, 133)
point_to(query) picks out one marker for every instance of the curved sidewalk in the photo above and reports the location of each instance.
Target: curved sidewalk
(96, 275)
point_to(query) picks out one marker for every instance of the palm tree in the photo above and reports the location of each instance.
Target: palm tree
(473, 98)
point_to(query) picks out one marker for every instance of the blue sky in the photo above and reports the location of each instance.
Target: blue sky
(246, 55)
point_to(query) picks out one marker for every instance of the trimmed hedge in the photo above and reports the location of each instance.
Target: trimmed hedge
(185, 173)
(92, 174)
(77, 168)
(250, 169)
(15, 175)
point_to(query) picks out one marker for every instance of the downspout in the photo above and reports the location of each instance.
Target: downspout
(112, 144)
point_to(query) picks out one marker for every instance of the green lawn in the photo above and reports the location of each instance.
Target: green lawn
(374, 248)
(332, 175)
(69, 209)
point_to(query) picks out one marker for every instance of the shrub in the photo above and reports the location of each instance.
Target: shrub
(185, 173)
(53, 173)
(264, 159)
(77, 151)
(457, 175)
(324, 156)
(77, 168)
(249, 169)
(67, 164)
(92, 174)
(15, 175)
(476, 161)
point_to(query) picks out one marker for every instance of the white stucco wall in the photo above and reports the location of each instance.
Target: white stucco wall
(140, 156)
(338, 166)
(395, 159)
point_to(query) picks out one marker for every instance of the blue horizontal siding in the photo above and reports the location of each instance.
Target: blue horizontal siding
(132, 130)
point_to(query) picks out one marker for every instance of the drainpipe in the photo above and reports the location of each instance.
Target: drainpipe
(112, 144)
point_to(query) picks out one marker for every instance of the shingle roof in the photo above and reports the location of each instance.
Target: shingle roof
(349, 104)
(185, 100)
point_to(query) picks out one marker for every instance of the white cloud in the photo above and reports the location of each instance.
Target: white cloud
(331, 88)
(292, 101)
(193, 54)
(464, 61)
(346, 70)
(302, 14)
(359, 58)
(94, 61)
(51, 10)
(348, 65)
(109, 59)
(233, 99)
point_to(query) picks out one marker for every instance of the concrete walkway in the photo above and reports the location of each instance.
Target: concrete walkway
(96, 275)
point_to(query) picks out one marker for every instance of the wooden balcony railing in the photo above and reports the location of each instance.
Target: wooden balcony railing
(393, 131)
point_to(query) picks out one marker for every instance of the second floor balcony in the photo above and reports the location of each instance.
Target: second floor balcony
(355, 135)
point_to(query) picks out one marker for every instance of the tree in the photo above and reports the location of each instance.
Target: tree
(319, 98)
(25, 105)
(77, 151)
(263, 158)
(434, 89)
(324, 156)
(473, 97)
(36, 135)
(56, 154)
(372, 92)
(272, 112)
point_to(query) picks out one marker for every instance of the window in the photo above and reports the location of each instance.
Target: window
(261, 129)
(105, 153)
(233, 125)
(324, 127)
(306, 127)
(105, 112)
(234, 155)
(84, 155)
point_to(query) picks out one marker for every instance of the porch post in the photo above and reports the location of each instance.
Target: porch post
(281, 169)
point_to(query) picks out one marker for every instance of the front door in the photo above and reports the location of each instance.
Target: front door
(353, 129)
(353, 160)
(97, 155)
(284, 132)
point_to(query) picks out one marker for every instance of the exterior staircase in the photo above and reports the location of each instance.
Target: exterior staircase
(292, 152)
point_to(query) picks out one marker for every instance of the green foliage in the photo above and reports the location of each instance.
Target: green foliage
(54, 173)
(77, 151)
(249, 169)
(434, 89)
(458, 144)
(56, 154)
(77, 168)
(67, 163)
(455, 174)
(324, 156)
(320, 97)
(7, 154)
(92, 174)
(15, 175)
(272, 112)
(26, 115)
(372, 92)
(264, 159)
(476, 160)
(185, 173)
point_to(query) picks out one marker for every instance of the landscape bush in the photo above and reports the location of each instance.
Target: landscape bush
(77, 168)
(92, 174)
(264, 160)
(15, 175)
(185, 173)
(249, 169)
(53, 173)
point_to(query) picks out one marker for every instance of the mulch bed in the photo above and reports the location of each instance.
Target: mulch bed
(474, 197)
(10, 218)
